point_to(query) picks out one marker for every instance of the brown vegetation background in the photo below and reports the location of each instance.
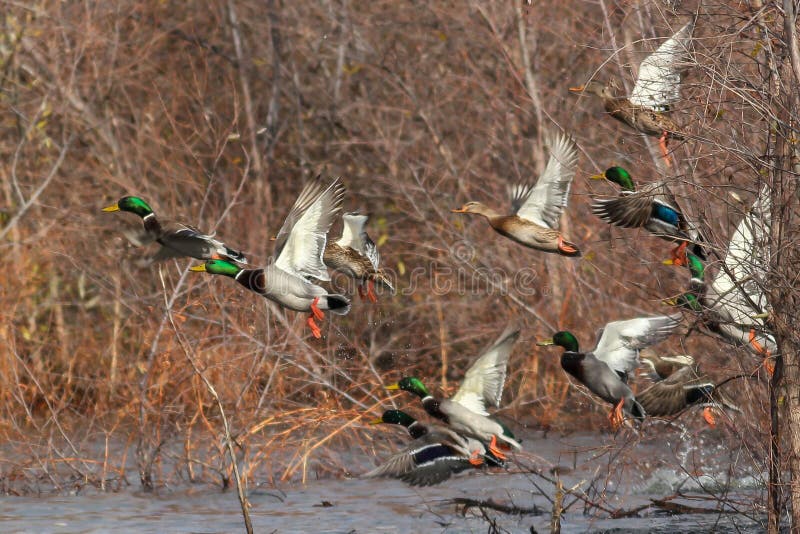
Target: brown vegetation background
(217, 112)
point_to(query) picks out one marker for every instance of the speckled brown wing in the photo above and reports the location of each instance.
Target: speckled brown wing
(347, 261)
(645, 120)
(672, 395)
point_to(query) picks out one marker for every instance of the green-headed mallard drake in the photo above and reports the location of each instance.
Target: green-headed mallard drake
(726, 313)
(355, 255)
(297, 257)
(466, 411)
(176, 239)
(680, 384)
(653, 208)
(604, 370)
(536, 209)
(735, 303)
(435, 454)
(656, 87)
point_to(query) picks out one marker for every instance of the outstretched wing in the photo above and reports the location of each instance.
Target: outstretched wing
(658, 84)
(740, 284)
(620, 341)
(654, 205)
(300, 243)
(484, 381)
(544, 202)
(680, 390)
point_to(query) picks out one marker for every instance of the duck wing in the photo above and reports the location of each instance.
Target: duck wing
(739, 284)
(355, 236)
(484, 380)
(653, 207)
(543, 203)
(187, 240)
(620, 341)
(300, 244)
(682, 388)
(659, 80)
(429, 459)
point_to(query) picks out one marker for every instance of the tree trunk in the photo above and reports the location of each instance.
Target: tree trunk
(784, 290)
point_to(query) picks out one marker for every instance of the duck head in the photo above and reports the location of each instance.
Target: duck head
(222, 267)
(596, 87)
(687, 301)
(394, 417)
(131, 204)
(412, 385)
(475, 207)
(563, 339)
(695, 264)
(619, 176)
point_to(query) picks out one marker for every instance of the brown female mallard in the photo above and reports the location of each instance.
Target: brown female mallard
(657, 86)
(680, 384)
(536, 209)
(355, 255)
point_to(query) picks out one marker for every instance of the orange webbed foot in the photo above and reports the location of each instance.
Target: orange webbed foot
(678, 254)
(708, 415)
(315, 331)
(494, 448)
(760, 349)
(662, 144)
(566, 248)
(616, 416)
(371, 291)
(476, 459)
(315, 311)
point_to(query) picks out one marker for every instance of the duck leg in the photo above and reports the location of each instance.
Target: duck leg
(708, 415)
(315, 331)
(565, 247)
(476, 459)
(371, 291)
(315, 311)
(662, 143)
(678, 254)
(494, 448)
(616, 417)
(762, 351)
(361, 292)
